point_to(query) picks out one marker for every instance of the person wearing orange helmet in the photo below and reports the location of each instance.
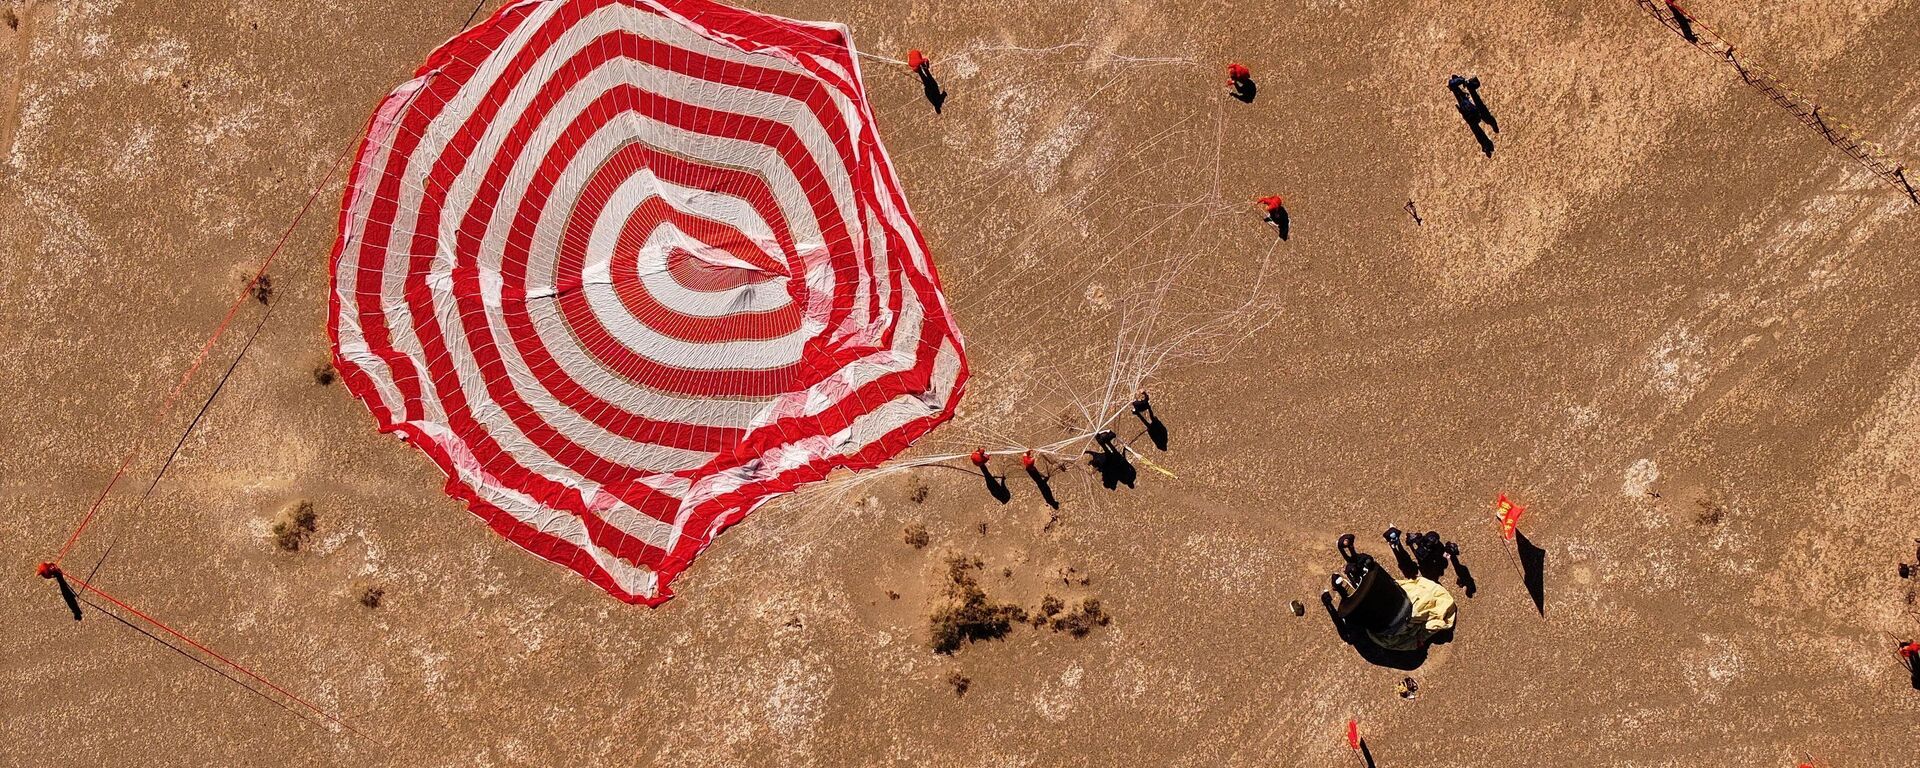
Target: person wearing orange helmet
(922, 66)
(1240, 82)
(1275, 207)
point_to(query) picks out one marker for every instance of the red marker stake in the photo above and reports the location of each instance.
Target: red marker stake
(1508, 515)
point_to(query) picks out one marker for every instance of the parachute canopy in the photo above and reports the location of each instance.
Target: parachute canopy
(628, 269)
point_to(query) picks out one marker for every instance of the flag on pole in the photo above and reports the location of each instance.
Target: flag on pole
(1509, 515)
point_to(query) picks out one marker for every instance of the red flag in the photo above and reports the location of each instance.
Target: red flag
(1509, 516)
(1353, 734)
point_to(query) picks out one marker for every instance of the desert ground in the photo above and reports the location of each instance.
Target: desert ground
(1673, 322)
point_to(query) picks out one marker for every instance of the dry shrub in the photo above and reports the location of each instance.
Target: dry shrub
(1711, 512)
(12, 19)
(917, 537)
(920, 491)
(325, 375)
(296, 522)
(263, 287)
(1082, 620)
(1050, 607)
(969, 615)
(959, 682)
(371, 595)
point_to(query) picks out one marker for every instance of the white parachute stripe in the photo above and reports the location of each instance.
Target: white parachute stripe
(690, 90)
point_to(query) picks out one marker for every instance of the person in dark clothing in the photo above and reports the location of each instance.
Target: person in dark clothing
(1473, 109)
(1240, 83)
(922, 67)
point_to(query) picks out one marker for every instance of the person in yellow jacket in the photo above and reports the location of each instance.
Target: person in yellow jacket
(1433, 613)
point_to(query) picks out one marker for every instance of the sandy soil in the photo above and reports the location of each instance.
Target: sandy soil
(1676, 324)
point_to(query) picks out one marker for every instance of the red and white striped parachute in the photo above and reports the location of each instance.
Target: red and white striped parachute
(627, 269)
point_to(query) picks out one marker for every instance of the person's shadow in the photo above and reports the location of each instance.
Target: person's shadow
(1473, 109)
(1113, 468)
(1480, 105)
(1434, 565)
(936, 95)
(1156, 429)
(1367, 754)
(1479, 133)
(1533, 570)
(1246, 90)
(1045, 485)
(1685, 24)
(1403, 559)
(1461, 575)
(997, 486)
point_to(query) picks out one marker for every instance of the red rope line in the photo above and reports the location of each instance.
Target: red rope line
(88, 586)
(173, 397)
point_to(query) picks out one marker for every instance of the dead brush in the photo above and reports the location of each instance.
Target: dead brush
(916, 536)
(969, 615)
(1082, 620)
(371, 595)
(294, 525)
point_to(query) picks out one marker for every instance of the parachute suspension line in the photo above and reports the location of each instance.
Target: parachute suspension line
(208, 403)
(1136, 356)
(1096, 55)
(101, 609)
(881, 59)
(216, 656)
(233, 309)
(173, 396)
(474, 15)
(168, 404)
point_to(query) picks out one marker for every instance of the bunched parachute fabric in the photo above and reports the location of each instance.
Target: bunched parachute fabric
(628, 269)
